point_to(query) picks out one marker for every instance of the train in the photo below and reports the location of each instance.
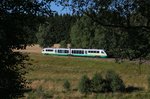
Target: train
(75, 52)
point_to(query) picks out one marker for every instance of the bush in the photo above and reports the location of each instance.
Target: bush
(111, 83)
(97, 83)
(66, 85)
(84, 84)
(114, 82)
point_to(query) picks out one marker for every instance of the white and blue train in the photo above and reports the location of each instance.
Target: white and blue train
(75, 52)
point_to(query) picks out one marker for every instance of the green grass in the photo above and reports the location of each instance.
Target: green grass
(50, 72)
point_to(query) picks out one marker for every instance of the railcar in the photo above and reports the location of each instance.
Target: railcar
(75, 52)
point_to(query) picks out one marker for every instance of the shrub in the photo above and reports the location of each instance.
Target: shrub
(84, 84)
(111, 83)
(66, 85)
(115, 82)
(97, 83)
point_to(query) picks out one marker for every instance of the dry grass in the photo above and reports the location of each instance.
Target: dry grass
(48, 74)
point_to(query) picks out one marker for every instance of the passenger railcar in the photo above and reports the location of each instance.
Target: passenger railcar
(75, 52)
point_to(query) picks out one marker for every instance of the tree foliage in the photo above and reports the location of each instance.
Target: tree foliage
(86, 34)
(111, 82)
(127, 24)
(12, 82)
(18, 22)
(55, 30)
(97, 83)
(114, 81)
(84, 85)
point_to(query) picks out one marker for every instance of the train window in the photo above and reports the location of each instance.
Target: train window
(63, 51)
(60, 51)
(66, 51)
(73, 51)
(50, 50)
(93, 51)
(77, 51)
(81, 52)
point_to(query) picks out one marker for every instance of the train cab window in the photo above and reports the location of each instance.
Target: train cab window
(102, 52)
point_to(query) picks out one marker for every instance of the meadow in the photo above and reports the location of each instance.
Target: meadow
(48, 73)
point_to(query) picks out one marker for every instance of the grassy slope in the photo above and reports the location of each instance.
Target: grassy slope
(49, 72)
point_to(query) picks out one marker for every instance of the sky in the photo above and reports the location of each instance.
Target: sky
(60, 9)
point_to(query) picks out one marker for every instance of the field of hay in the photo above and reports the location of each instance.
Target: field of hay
(48, 73)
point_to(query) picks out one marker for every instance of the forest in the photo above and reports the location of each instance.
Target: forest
(121, 27)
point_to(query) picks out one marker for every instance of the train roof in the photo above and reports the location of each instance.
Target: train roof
(73, 48)
(85, 49)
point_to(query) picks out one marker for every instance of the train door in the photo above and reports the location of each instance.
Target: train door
(85, 52)
(56, 51)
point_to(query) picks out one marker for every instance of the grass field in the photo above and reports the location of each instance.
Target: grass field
(48, 73)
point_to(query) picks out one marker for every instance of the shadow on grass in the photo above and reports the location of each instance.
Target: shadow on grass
(131, 89)
(39, 92)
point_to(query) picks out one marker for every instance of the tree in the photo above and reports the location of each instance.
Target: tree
(12, 82)
(46, 37)
(55, 30)
(84, 34)
(18, 22)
